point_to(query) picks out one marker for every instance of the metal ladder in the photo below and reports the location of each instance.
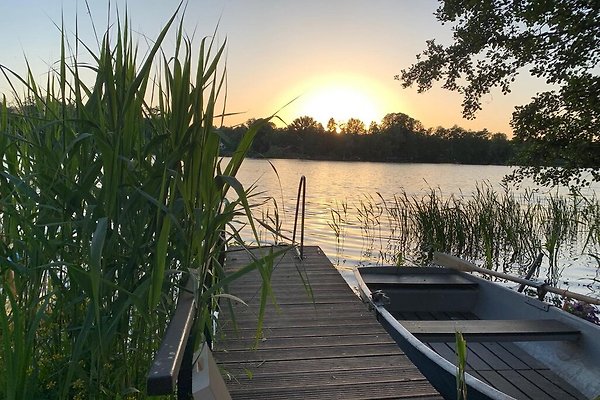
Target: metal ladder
(301, 191)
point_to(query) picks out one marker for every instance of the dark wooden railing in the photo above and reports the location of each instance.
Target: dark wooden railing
(172, 366)
(171, 369)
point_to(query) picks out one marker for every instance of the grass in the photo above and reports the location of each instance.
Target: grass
(111, 195)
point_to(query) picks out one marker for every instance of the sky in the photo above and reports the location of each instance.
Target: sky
(329, 58)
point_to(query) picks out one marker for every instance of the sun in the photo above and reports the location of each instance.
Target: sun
(340, 97)
(340, 102)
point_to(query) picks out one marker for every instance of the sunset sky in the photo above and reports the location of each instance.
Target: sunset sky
(337, 57)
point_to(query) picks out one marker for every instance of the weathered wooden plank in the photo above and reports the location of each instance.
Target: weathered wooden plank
(299, 319)
(566, 386)
(254, 292)
(281, 306)
(531, 362)
(501, 383)
(329, 348)
(490, 358)
(320, 379)
(300, 322)
(301, 298)
(304, 353)
(323, 365)
(508, 357)
(308, 331)
(288, 278)
(446, 350)
(329, 285)
(492, 330)
(253, 304)
(547, 385)
(329, 309)
(389, 390)
(297, 307)
(316, 341)
(474, 361)
(533, 391)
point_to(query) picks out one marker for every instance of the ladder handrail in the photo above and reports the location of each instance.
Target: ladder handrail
(301, 190)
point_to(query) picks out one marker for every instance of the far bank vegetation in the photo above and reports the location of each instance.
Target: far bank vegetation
(397, 138)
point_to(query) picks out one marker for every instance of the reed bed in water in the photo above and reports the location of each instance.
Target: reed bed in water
(111, 195)
(503, 229)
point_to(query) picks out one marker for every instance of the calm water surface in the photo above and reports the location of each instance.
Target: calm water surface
(331, 184)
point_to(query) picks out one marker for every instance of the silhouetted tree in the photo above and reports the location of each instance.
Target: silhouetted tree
(400, 121)
(354, 125)
(331, 126)
(555, 40)
(262, 140)
(306, 138)
(373, 128)
(305, 124)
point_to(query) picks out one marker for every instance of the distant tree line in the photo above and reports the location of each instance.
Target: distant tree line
(397, 138)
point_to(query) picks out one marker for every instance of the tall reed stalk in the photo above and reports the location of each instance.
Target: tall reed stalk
(461, 366)
(503, 229)
(111, 195)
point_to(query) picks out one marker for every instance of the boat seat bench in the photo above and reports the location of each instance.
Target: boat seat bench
(419, 281)
(481, 330)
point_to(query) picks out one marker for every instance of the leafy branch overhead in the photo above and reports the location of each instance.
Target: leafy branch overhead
(557, 41)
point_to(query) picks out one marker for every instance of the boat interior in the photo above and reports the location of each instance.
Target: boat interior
(502, 331)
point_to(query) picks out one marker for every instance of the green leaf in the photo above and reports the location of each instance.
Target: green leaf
(96, 249)
(158, 273)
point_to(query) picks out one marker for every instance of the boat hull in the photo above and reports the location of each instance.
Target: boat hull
(571, 355)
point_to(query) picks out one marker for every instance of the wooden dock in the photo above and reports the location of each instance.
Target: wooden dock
(329, 348)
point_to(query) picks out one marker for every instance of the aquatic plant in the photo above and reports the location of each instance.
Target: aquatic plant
(503, 229)
(583, 310)
(339, 214)
(112, 194)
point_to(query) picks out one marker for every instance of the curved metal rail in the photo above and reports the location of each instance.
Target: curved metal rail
(301, 191)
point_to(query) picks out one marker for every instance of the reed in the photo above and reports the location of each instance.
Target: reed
(339, 215)
(111, 195)
(461, 366)
(368, 213)
(503, 229)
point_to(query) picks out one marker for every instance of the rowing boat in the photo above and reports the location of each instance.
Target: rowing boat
(518, 346)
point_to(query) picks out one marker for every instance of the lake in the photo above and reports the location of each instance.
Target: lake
(333, 185)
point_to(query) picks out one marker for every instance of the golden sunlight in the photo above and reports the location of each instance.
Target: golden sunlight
(342, 97)
(340, 103)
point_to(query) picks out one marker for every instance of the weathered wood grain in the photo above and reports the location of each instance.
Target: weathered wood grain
(325, 345)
